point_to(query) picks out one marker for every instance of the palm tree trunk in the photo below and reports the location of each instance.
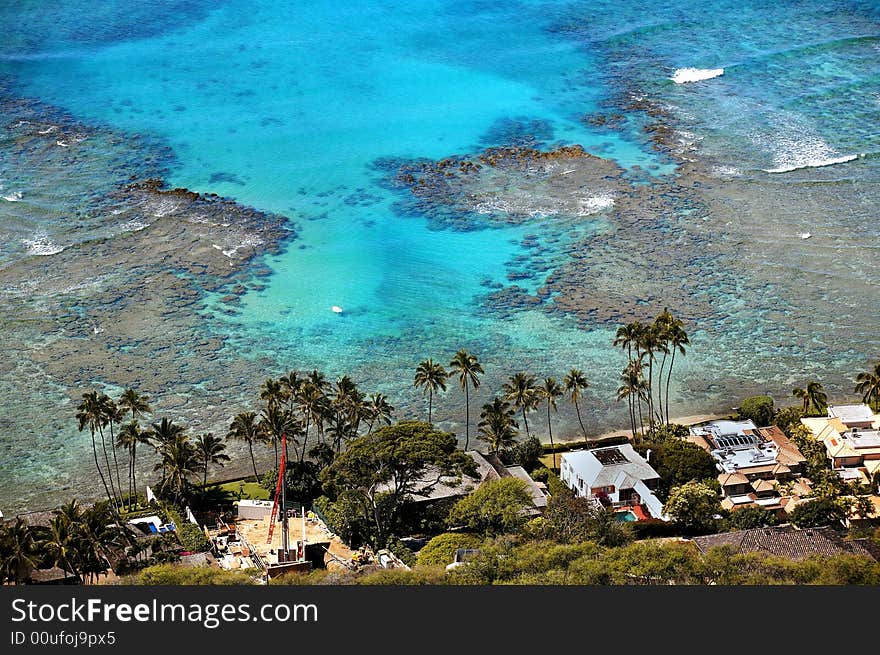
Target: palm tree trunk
(107, 462)
(660, 389)
(641, 419)
(668, 378)
(430, 403)
(275, 446)
(205, 475)
(526, 421)
(134, 484)
(467, 417)
(115, 461)
(578, 410)
(550, 432)
(253, 460)
(100, 472)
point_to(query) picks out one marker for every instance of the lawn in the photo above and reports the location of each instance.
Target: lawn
(249, 490)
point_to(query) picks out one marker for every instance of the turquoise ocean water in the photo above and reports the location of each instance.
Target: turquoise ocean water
(302, 109)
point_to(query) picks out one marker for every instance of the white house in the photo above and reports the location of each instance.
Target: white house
(617, 471)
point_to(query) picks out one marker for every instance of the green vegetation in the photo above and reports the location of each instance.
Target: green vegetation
(758, 409)
(242, 489)
(169, 574)
(441, 549)
(693, 506)
(678, 462)
(495, 507)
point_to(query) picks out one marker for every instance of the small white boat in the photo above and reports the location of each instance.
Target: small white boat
(805, 235)
(336, 309)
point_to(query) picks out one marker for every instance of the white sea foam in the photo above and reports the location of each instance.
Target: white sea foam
(48, 130)
(595, 204)
(683, 75)
(42, 245)
(133, 226)
(15, 196)
(726, 171)
(812, 163)
(246, 242)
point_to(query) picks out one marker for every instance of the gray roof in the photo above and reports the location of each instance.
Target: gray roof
(596, 474)
(787, 541)
(539, 499)
(451, 487)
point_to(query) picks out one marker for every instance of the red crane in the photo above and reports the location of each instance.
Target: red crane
(280, 492)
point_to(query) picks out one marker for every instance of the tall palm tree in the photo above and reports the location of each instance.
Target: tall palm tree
(468, 370)
(291, 385)
(575, 384)
(431, 377)
(650, 344)
(180, 461)
(276, 421)
(661, 328)
(134, 402)
(129, 437)
(550, 391)
(161, 435)
(211, 450)
(521, 391)
(677, 339)
(111, 415)
(379, 409)
(497, 426)
(868, 384)
(273, 392)
(19, 551)
(634, 388)
(90, 413)
(245, 428)
(139, 406)
(628, 336)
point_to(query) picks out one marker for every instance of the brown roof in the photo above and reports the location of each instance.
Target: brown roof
(53, 574)
(786, 541)
(762, 485)
(732, 478)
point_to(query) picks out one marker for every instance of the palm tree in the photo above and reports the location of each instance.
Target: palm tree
(161, 436)
(634, 388)
(211, 449)
(99, 534)
(60, 543)
(379, 409)
(111, 414)
(650, 343)
(291, 384)
(244, 427)
(677, 339)
(575, 384)
(19, 551)
(522, 393)
(276, 421)
(497, 426)
(272, 392)
(802, 395)
(130, 435)
(551, 392)
(628, 336)
(180, 461)
(468, 369)
(90, 413)
(431, 377)
(868, 384)
(138, 405)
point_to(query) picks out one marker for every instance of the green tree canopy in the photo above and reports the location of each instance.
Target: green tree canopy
(693, 505)
(496, 507)
(758, 409)
(819, 512)
(677, 462)
(382, 470)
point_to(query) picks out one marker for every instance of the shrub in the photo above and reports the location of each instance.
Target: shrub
(758, 409)
(819, 512)
(403, 553)
(441, 549)
(497, 506)
(169, 574)
(192, 538)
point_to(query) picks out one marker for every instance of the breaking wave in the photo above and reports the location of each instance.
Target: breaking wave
(812, 163)
(42, 245)
(683, 75)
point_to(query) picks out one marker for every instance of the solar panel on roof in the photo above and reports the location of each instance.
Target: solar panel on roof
(610, 456)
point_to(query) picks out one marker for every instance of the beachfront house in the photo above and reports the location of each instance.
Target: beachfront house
(757, 466)
(618, 473)
(851, 436)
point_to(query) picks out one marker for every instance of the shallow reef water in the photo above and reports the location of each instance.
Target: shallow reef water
(186, 192)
